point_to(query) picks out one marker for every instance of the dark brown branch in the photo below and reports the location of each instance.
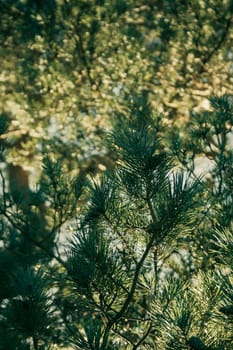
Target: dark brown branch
(220, 42)
(130, 294)
(35, 242)
(135, 347)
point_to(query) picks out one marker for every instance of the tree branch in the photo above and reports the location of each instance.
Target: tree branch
(129, 297)
(136, 346)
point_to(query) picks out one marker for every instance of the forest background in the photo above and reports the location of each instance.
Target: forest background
(101, 103)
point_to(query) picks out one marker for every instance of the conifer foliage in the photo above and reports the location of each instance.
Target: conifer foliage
(148, 263)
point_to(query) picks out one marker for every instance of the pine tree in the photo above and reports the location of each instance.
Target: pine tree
(148, 263)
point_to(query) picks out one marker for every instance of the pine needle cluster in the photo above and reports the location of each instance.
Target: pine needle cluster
(148, 264)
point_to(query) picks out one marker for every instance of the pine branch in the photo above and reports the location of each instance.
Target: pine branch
(130, 295)
(219, 43)
(141, 341)
(35, 242)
